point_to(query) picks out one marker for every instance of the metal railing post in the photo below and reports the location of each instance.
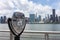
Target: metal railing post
(11, 36)
(46, 36)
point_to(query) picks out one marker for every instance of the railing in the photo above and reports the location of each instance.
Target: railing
(4, 35)
(46, 33)
(33, 34)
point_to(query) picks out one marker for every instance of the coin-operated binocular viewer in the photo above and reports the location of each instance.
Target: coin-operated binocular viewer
(17, 24)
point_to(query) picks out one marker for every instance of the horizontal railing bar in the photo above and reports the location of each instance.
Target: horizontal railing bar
(5, 31)
(31, 31)
(43, 32)
(4, 36)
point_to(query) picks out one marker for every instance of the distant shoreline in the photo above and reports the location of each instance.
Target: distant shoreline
(35, 23)
(43, 23)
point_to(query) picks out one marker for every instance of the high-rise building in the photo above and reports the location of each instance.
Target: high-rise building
(36, 18)
(56, 18)
(32, 18)
(1, 19)
(39, 17)
(4, 19)
(48, 16)
(53, 11)
(59, 19)
(51, 18)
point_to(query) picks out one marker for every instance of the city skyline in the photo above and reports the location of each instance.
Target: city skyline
(41, 7)
(34, 18)
(53, 18)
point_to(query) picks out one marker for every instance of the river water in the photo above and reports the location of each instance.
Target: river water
(38, 27)
(43, 27)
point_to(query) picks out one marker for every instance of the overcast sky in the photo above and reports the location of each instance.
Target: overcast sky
(41, 7)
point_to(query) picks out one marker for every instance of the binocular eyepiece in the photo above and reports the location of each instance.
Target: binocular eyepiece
(18, 15)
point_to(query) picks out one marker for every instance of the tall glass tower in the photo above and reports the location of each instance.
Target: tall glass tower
(53, 10)
(32, 18)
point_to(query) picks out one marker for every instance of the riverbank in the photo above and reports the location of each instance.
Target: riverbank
(43, 23)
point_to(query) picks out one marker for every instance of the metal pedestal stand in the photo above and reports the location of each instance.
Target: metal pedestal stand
(17, 38)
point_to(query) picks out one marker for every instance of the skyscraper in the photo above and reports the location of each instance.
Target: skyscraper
(51, 18)
(53, 11)
(48, 16)
(56, 18)
(59, 19)
(39, 17)
(4, 19)
(32, 18)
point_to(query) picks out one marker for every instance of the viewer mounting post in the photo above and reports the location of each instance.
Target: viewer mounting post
(17, 24)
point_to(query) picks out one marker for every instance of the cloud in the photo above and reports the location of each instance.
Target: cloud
(25, 6)
(58, 12)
